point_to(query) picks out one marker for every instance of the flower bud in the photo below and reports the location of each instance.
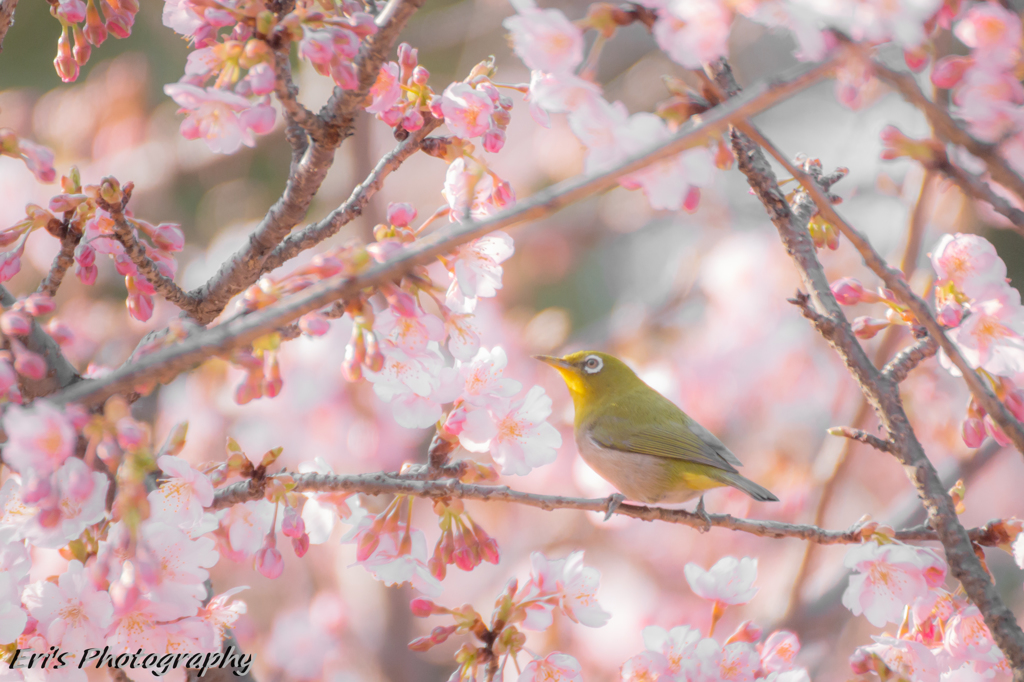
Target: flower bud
(83, 50)
(865, 327)
(301, 545)
(292, 524)
(314, 324)
(401, 214)
(692, 199)
(1014, 401)
(110, 191)
(269, 562)
(15, 323)
(437, 567)
(950, 314)
(996, 432)
(374, 357)
(272, 382)
(27, 363)
(746, 632)
(131, 435)
(413, 120)
(949, 71)
(169, 237)
(420, 76)
(421, 608)
(39, 303)
(64, 62)
(847, 290)
(95, 31)
(972, 430)
(494, 140)
(366, 544)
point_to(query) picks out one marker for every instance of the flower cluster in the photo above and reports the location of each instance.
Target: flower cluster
(89, 29)
(135, 574)
(16, 324)
(682, 654)
(939, 632)
(564, 585)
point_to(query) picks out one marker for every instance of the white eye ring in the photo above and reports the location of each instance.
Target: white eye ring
(593, 364)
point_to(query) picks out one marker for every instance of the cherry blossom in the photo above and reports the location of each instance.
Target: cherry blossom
(484, 383)
(555, 667)
(970, 263)
(676, 645)
(39, 438)
(991, 336)
(693, 31)
(736, 662)
(386, 90)
(889, 577)
(54, 526)
(410, 332)
(546, 40)
(729, 581)
(399, 557)
(224, 120)
(469, 188)
(519, 438)
(72, 614)
(563, 583)
(179, 565)
(407, 382)
(476, 270)
(467, 111)
(910, 659)
(246, 525)
(181, 498)
(647, 666)
(779, 650)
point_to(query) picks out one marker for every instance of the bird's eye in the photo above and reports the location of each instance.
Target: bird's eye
(593, 364)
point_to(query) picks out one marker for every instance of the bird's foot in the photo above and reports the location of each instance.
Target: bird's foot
(614, 500)
(703, 516)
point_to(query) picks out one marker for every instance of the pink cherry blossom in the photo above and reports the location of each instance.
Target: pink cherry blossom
(522, 439)
(467, 111)
(407, 381)
(736, 662)
(484, 383)
(888, 577)
(246, 525)
(387, 89)
(666, 184)
(693, 31)
(676, 645)
(180, 563)
(463, 337)
(559, 93)
(476, 270)
(779, 650)
(555, 667)
(730, 580)
(546, 40)
(224, 120)
(991, 336)
(181, 15)
(993, 33)
(881, 21)
(647, 666)
(39, 438)
(393, 564)
(74, 513)
(970, 263)
(412, 333)
(38, 159)
(563, 583)
(470, 189)
(182, 497)
(913, 660)
(72, 614)
(966, 638)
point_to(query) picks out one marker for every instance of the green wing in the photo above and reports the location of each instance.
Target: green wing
(633, 430)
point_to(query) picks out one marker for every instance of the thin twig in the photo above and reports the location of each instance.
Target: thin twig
(165, 364)
(61, 262)
(980, 190)
(909, 358)
(861, 436)
(882, 393)
(287, 91)
(165, 286)
(395, 484)
(314, 234)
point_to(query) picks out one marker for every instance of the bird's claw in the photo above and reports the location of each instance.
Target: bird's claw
(614, 500)
(703, 516)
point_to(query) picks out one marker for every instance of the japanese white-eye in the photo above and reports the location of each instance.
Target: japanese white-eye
(638, 440)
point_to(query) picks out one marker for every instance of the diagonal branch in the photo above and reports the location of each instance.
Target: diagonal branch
(881, 392)
(165, 286)
(909, 358)
(392, 484)
(245, 266)
(61, 262)
(165, 364)
(312, 235)
(977, 188)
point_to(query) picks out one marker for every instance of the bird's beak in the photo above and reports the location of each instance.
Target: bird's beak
(557, 363)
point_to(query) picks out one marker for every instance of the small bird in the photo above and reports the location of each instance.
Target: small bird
(639, 441)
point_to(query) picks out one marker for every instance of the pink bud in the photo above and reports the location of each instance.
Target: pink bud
(916, 59)
(38, 303)
(494, 140)
(421, 608)
(35, 488)
(435, 107)
(374, 357)
(131, 435)
(15, 323)
(64, 62)
(1014, 402)
(421, 644)
(85, 255)
(746, 632)
(950, 314)
(301, 545)
(314, 324)
(351, 368)
(865, 327)
(692, 200)
(10, 264)
(272, 381)
(489, 551)
(973, 432)
(401, 302)
(366, 544)
(420, 76)
(437, 567)
(269, 562)
(441, 633)
(503, 195)
(463, 558)
(87, 274)
(950, 70)
(60, 332)
(401, 214)
(847, 290)
(413, 120)
(292, 524)
(95, 31)
(169, 237)
(124, 596)
(455, 422)
(27, 363)
(83, 50)
(996, 432)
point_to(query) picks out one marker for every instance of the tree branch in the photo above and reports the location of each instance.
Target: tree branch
(861, 436)
(909, 358)
(395, 484)
(165, 286)
(307, 175)
(881, 392)
(313, 234)
(165, 364)
(61, 262)
(60, 373)
(975, 187)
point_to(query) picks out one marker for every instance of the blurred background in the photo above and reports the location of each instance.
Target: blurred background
(696, 303)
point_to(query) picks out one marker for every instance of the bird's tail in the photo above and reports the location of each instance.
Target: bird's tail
(758, 492)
